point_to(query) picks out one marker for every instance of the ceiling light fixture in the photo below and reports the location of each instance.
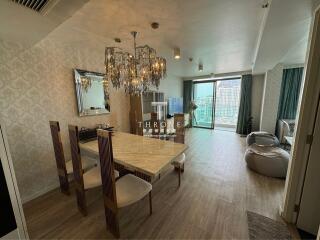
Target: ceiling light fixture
(134, 72)
(176, 53)
(265, 4)
(155, 25)
(200, 67)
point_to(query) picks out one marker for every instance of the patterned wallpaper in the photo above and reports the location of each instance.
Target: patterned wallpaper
(36, 85)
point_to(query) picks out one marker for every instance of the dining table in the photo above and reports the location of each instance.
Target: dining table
(146, 157)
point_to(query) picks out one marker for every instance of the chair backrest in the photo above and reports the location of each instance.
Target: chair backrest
(155, 125)
(179, 127)
(77, 168)
(59, 155)
(136, 126)
(108, 181)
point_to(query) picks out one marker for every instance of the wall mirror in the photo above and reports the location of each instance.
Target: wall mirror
(91, 97)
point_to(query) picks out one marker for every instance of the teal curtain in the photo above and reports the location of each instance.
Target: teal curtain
(289, 93)
(187, 95)
(244, 115)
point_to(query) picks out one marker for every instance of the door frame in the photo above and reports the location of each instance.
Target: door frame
(307, 110)
(307, 196)
(213, 117)
(11, 181)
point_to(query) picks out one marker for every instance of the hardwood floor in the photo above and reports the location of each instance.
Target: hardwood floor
(216, 190)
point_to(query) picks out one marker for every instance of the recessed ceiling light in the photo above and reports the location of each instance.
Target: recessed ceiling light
(176, 53)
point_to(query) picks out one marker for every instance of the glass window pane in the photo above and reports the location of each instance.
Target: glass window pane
(227, 103)
(203, 98)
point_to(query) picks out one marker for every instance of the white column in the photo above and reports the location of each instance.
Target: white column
(270, 100)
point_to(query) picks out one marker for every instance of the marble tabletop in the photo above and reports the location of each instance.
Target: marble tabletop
(147, 155)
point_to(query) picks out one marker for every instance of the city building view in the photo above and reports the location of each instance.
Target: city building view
(218, 104)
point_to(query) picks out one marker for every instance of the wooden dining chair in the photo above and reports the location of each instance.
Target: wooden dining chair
(59, 155)
(155, 125)
(136, 126)
(163, 130)
(64, 167)
(121, 193)
(178, 163)
(83, 181)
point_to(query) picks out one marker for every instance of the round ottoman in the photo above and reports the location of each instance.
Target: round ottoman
(267, 160)
(263, 139)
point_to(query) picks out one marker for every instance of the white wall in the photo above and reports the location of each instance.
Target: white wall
(270, 101)
(316, 4)
(257, 92)
(171, 86)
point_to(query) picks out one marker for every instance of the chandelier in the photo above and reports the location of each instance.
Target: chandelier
(85, 83)
(136, 72)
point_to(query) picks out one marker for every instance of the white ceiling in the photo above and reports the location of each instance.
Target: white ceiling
(220, 33)
(285, 35)
(225, 35)
(19, 23)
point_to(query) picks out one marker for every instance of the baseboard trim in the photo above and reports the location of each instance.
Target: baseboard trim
(39, 193)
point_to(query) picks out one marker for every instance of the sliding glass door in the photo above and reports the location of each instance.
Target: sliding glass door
(217, 104)
(203, 97)
(227, 104)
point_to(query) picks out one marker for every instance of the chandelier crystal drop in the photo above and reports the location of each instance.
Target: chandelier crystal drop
(137, 72)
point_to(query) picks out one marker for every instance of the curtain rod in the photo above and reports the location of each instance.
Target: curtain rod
(218, 75)
(299, 65)
(216, 79)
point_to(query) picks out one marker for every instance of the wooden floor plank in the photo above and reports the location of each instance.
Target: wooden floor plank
(216, 190)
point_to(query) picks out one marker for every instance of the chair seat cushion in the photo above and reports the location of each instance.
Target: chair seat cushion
(116, 174)
(179, 161)
(131, 189)
(87, 163)
(269, 161)
(92, 178)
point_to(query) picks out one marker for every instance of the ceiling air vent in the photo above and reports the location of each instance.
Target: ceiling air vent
(36, 5)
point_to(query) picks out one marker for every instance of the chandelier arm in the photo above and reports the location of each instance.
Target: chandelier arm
(150, 67)
(135, 53)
